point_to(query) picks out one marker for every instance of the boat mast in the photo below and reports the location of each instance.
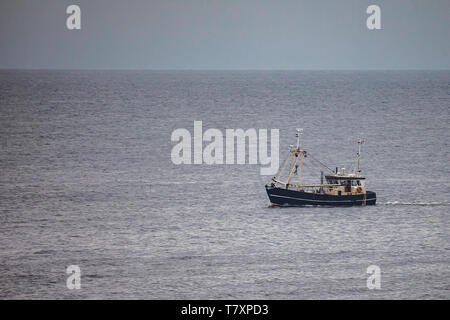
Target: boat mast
(296, 154)
(298, 134)
(292, 163)
(358, 157)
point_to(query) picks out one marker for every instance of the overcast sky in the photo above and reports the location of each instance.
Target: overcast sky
(225, 34)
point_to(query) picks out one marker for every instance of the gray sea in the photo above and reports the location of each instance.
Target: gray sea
(86, 179)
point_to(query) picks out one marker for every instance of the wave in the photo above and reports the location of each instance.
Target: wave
(418, 203)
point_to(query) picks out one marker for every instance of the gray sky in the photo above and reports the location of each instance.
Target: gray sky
(225, 34)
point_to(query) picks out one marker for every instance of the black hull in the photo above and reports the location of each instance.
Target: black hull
(283, 197)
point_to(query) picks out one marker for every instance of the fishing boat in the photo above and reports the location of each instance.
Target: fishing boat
(340, 188)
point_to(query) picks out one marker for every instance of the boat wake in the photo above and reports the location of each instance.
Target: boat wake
(419, 203)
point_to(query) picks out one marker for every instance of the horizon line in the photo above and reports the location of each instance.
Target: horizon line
(218, 69)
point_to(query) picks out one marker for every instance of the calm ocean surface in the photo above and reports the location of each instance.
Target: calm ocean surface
(86, 179)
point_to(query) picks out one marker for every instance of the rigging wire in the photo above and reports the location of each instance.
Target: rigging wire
(331, 170)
